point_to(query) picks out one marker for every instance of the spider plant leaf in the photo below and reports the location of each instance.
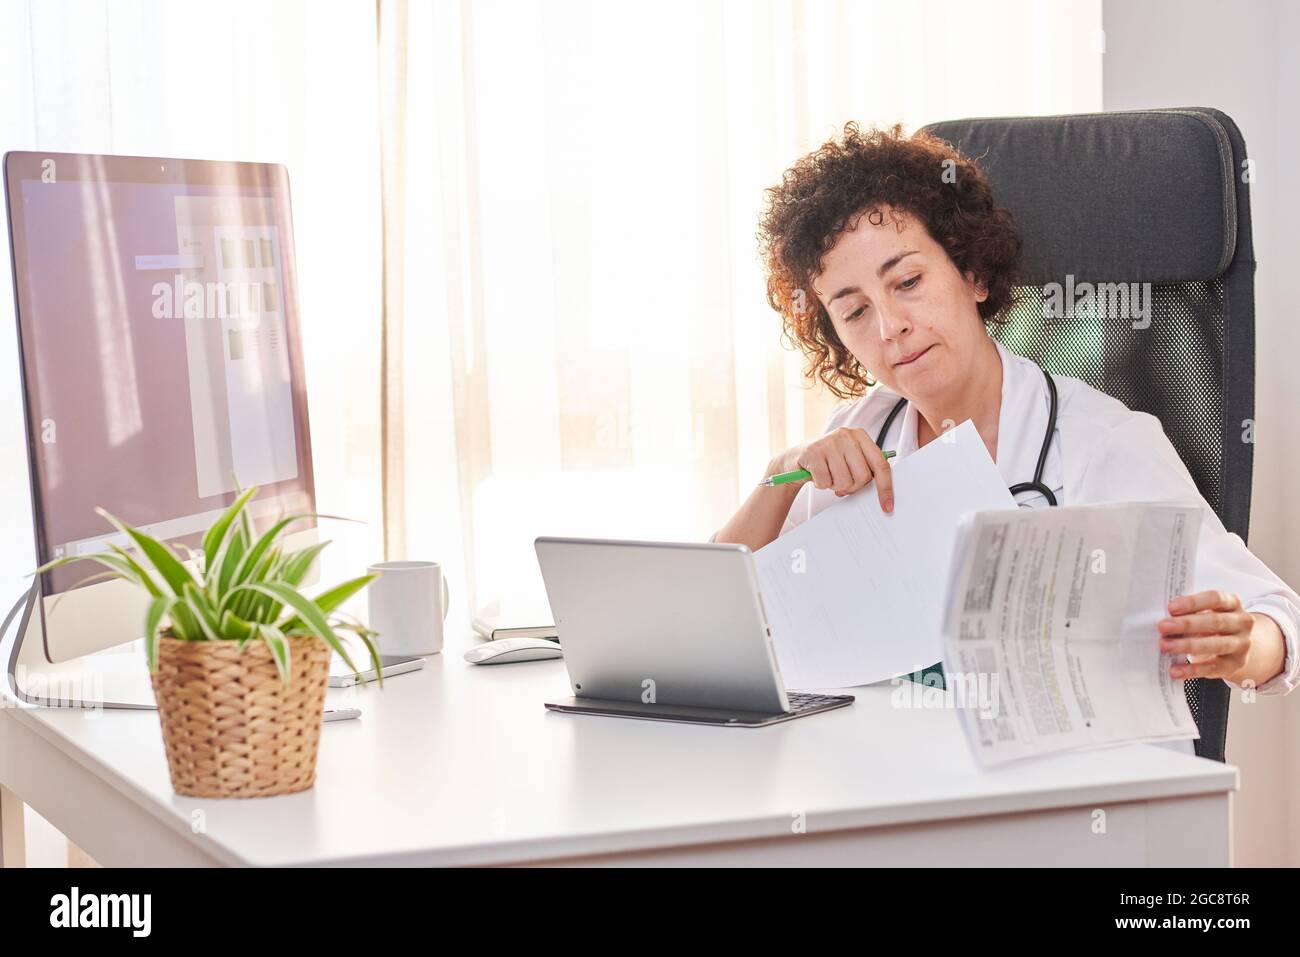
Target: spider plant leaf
(241, 601)
(365, 634)
(245, 531)
(206, 615)
(254, 554)
(232, 553)
(234, 628)
(196, 558)
(306, 609)
(158, 607)
(117, 568)
(279, 647)
(217, 533)
(146, 580)
(185, 623)
(163, 558)
(298, 564)
(266, 607)
(330, 599)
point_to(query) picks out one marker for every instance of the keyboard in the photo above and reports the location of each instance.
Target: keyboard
(805, 701)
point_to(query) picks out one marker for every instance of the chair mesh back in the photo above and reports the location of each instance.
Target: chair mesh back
(1171, 369)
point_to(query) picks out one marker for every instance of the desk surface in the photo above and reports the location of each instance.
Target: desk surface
(461, 764)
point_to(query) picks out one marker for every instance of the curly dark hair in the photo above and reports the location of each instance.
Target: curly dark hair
(869, 173)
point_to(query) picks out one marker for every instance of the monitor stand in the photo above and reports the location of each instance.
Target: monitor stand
(92, 682)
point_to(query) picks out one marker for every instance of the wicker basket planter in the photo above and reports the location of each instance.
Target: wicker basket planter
(231, 726)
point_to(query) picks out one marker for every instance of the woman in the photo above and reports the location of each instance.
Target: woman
(885, 254)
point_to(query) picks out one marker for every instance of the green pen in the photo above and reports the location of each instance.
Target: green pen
(798, 475)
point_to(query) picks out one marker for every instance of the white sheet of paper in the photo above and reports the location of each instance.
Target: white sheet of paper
(856, 595)
(1050, 638)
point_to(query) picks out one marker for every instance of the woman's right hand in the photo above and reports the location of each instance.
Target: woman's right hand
(844, 460)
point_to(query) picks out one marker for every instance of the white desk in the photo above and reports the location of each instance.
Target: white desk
(461, 765)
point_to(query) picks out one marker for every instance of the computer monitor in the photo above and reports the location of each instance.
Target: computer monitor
(157, 315)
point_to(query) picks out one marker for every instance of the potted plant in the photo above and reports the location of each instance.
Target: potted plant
(238, 655)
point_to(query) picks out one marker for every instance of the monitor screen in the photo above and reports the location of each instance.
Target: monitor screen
(158, 328)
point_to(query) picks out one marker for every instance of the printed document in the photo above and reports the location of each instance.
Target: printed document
(1051, 625)
(856, 595)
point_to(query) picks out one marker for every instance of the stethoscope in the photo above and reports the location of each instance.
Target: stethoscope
(1037, 484)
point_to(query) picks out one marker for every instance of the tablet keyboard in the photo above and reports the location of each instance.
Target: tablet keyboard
(803, 700)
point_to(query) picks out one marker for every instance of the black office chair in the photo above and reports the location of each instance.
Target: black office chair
(1148, 196)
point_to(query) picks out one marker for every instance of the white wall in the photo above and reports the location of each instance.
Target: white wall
(1242, 58)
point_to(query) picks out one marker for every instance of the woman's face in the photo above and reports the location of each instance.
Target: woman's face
(901, 307)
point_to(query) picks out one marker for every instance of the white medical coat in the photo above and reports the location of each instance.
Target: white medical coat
(1101, 451)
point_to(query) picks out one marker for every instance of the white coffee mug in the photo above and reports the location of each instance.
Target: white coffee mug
(408, 605)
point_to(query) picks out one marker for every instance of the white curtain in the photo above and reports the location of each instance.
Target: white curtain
(288, 81)
(576, 337)
(530, 297)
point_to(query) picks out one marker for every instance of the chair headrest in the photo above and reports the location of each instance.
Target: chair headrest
(1141, 196)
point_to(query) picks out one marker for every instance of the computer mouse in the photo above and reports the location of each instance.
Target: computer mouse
(505, 651)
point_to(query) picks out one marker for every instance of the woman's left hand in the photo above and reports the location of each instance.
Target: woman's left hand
(1211, 627)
